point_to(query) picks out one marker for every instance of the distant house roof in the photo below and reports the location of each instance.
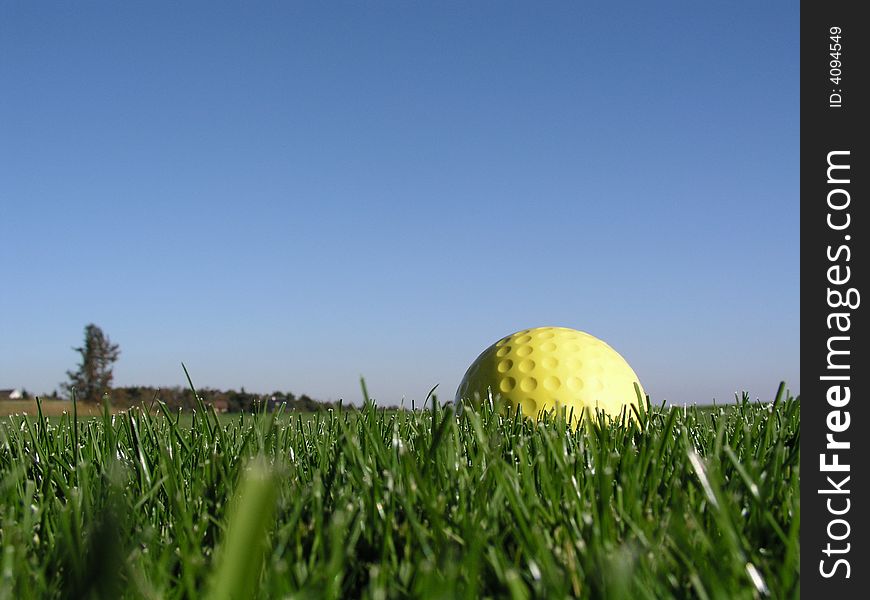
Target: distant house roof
(10, 394)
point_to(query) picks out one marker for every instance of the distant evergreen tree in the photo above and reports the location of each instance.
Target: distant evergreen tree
(94, 375)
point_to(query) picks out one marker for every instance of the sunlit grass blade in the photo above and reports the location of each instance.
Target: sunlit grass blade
(240, 556)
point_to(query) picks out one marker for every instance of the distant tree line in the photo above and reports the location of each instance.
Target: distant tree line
(222, 400)
(91, 381)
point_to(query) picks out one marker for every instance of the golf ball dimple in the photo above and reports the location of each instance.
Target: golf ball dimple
(550, 368)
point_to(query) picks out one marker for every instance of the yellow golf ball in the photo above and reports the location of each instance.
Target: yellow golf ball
(550, 368)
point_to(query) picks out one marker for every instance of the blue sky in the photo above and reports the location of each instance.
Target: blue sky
(289, 195)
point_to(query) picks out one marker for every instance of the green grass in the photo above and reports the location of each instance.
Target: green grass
(385, 504)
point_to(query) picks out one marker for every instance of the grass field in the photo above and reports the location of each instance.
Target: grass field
(50, 408)
(384, 504)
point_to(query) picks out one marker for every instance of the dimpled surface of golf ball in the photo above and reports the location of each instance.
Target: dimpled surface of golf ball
(549, 368)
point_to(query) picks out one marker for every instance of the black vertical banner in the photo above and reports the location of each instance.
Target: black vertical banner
(835, 418)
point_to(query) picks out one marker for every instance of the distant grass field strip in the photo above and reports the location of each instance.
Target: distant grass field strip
(51, 408)
(398, 503)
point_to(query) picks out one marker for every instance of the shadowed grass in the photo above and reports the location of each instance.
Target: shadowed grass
(374, 503)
